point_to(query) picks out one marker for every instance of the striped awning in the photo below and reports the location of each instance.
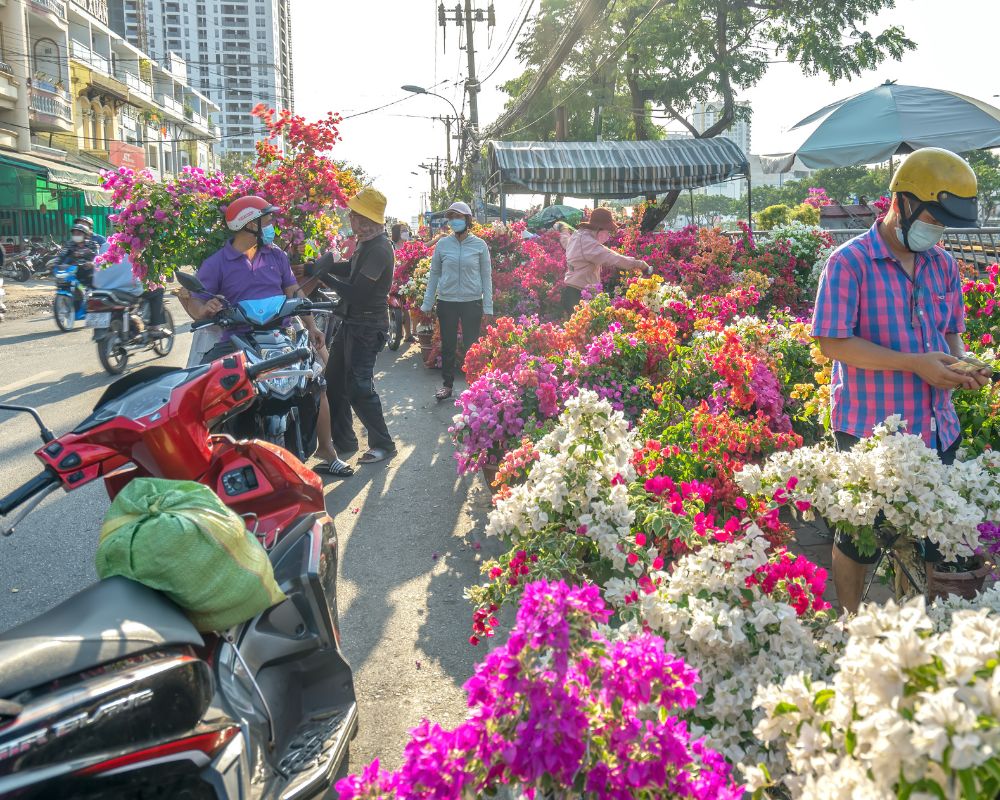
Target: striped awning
(613, 169)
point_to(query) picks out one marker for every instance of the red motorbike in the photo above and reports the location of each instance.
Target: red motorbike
(113, 693)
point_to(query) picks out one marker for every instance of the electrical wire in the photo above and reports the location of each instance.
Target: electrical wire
(511, 45)
(600, 66)
(506, 38)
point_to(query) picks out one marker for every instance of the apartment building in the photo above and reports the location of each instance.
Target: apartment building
(238, 52)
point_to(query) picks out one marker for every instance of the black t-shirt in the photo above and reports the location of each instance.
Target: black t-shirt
(368, 279)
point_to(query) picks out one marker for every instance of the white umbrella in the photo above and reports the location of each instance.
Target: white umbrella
(889, 120)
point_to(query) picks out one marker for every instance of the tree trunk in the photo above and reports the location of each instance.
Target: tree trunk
(638, 107)
(656, 214)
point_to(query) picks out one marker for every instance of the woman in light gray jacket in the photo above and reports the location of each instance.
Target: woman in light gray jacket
(461, 279)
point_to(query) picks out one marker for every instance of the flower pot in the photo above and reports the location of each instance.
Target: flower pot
(962, 584)
(426, 339)
(490, 475)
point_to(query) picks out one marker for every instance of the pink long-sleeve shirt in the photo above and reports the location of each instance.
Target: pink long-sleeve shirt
(585, 256)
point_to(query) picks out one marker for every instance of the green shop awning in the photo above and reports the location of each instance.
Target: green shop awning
(60, 173)
(612, 169)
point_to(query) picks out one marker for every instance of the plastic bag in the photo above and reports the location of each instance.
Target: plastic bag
(179, 538)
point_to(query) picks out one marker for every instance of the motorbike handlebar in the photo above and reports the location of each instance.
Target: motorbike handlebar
(26, 491)
(278, 362)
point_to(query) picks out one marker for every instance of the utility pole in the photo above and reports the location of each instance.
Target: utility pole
(467, 16)
(447, 124)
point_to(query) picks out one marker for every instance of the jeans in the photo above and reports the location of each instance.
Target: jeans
(350, 386)
(449, 313)
(155, 299)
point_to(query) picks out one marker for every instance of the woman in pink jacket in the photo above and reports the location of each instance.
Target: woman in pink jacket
(586, 254)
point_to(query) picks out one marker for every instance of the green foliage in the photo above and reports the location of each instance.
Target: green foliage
(772, 216)
(842, 184)
(804, 213)
(986, 165)
(237, 163)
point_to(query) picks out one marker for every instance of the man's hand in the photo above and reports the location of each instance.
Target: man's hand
(487, 320)
(211, 307)
(973, 368)
(350, 245)
(935, 369)
(316, 338)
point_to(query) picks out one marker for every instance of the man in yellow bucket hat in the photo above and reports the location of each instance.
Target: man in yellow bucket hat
(363, 282)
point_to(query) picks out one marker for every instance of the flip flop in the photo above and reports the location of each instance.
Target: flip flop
(336, 468)
(443, 393)
(375, 455)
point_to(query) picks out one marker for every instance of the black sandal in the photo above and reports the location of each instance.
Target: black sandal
(443, 393)
(336, 468)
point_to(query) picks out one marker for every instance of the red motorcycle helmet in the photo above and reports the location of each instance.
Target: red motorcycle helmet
(245, 210)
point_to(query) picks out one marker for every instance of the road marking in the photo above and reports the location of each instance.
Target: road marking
(13, 387)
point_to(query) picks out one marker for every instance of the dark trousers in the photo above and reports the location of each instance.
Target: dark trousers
(569, 298)
(471, 315)
(154, 297)
(845, 544)
(350, 385)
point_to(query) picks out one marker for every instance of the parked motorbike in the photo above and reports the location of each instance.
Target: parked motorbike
(69, 306)
(120, 320)
(14, 266)
(42, 257)
(288, 406)
(113, 693)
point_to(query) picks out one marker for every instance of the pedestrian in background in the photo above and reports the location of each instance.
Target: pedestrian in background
(461, 280)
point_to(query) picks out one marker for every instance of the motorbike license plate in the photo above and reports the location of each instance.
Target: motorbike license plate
(99, 320)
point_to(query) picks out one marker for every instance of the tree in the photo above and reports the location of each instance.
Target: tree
(672, 54)
(233, 163)
(986, 165)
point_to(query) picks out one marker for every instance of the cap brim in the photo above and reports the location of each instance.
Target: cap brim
(955, 212)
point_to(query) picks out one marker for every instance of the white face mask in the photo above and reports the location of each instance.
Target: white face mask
(603, 236)
(922, 236)
(77, 238)
(404, 236)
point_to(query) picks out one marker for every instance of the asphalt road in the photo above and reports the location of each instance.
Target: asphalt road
(409, 532)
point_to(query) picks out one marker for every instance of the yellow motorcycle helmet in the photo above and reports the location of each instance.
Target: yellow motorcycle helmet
(941, 182)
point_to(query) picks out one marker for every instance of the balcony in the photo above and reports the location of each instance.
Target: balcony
(10, 90)
(136, 85)
(84, 54)
(171, 105)
(55, 8)
(50, 111)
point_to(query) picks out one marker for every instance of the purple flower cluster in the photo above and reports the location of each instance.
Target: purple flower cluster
(491, 413)
(989, 538)
(560, 706)
(769, 397)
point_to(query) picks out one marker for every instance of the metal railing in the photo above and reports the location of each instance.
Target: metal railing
(136, 84)
(170, 104)
(81, 52)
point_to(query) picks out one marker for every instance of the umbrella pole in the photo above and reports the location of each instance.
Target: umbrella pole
(691, 198)
(503, 206)
(749, 203)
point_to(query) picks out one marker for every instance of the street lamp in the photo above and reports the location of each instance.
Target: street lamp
(447, 121)
(421, 90)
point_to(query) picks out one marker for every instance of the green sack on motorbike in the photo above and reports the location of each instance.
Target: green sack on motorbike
(179, 538)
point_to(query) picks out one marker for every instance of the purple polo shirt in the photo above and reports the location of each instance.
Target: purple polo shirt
(231, 274)
(864, 292)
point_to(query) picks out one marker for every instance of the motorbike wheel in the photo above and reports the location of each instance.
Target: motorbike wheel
(162, 347)
(22, 272)
(64, 311)
(112, 353)
(395, 328)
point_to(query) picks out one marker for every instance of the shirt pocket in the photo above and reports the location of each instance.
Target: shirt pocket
(943, 303)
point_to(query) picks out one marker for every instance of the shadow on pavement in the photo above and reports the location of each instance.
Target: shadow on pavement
(33, 337)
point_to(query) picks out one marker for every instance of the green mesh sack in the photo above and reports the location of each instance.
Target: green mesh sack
(179, 538)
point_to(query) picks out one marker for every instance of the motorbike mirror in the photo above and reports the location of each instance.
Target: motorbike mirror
(47, 435)
(190, 282)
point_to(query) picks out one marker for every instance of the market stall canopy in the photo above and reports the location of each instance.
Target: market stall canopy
(889, 120)
(61, 173)
(612, 169)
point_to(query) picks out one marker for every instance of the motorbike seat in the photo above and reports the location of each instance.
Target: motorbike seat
(113, 619)
(125, 296)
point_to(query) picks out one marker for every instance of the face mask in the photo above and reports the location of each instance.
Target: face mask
(77, 238)
(922, 236)
(404, 236)
(603, 236)
(267, 234)
(457, 225)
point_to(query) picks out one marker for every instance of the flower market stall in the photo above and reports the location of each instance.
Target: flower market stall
(612, 169)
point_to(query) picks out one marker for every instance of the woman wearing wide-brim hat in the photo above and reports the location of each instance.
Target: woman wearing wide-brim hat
(586, 254)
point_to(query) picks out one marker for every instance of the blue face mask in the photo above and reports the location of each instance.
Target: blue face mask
(267, 234)
(457, 225)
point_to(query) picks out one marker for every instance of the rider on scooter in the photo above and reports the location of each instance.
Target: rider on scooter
(251, 267)
(80, 251)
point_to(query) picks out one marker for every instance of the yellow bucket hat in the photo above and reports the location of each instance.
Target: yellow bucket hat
(370, 204)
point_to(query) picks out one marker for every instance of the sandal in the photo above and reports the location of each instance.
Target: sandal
(376, 454)
(443, 393)
(336, 468)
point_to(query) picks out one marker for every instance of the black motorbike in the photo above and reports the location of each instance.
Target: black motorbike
(121, 322)
(287, 407)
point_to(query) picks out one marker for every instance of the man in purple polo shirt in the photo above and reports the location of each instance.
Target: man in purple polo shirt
(890, 314)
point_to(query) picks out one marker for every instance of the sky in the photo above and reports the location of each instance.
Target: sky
(350, 57)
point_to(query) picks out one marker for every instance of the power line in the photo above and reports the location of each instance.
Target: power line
(600, 66)
(386, 105)
(506, 37)
(512, 43)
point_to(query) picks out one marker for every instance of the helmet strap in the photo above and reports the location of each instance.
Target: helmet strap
(906, 220)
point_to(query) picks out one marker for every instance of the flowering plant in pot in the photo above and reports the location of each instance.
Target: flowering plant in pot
(911, 711)
(561, 711)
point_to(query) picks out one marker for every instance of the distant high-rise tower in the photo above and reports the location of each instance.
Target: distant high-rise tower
(238, 53)
(705, 115)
